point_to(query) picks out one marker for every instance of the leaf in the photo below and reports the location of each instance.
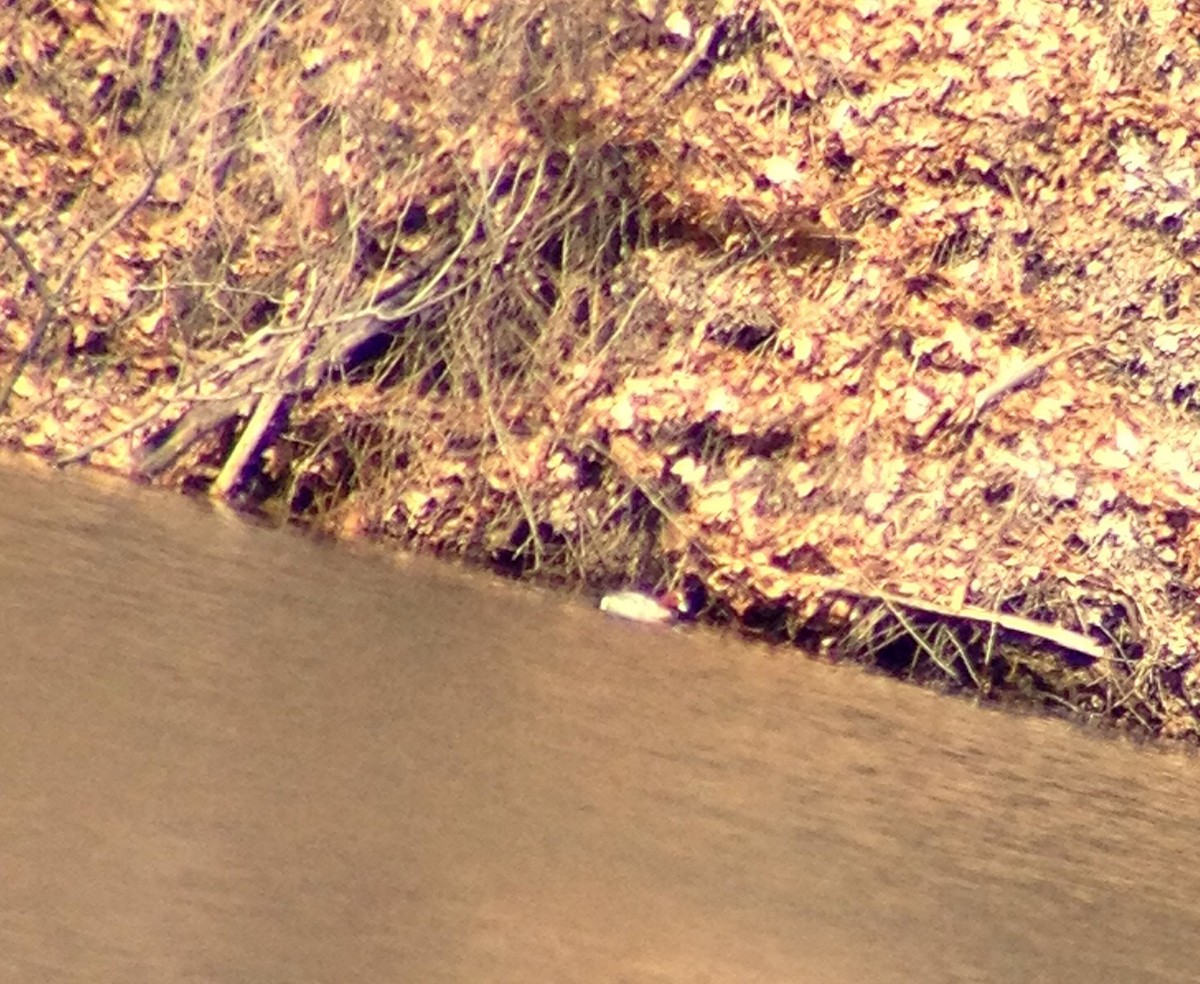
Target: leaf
(781, 171)
(677, 24)
(689, 471)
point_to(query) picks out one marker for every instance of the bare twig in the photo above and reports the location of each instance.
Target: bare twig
(697, 54)
(53, 299)
(1020, 376)
(789, 41)
(82, 454)
(119, 216)
(39, 282)
(969, 412)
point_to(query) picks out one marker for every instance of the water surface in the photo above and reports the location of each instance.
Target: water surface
(233, 755)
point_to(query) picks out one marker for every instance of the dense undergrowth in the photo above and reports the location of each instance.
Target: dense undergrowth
(868, 327)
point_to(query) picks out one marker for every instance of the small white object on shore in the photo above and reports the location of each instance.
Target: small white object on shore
(637, 607)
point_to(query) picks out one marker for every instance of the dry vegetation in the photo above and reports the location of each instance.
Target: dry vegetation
(871, 325)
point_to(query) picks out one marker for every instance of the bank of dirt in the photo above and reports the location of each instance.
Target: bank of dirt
(868, 327)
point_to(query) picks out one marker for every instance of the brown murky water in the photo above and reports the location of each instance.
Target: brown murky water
(231, 755)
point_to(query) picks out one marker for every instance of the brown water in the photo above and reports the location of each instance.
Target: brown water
(231, 755)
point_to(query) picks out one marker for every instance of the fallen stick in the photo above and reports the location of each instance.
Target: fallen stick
(1066, 638)
(1078, 642)
(1022, 375)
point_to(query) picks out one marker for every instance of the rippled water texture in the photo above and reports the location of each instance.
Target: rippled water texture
(231, 755)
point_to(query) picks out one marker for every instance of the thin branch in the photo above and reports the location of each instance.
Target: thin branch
(100, 234)
(1066, 638)
(40, 328)
(39, 283)
(1023, 374)
(81, 454)
(52, 300)
(781, 23)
